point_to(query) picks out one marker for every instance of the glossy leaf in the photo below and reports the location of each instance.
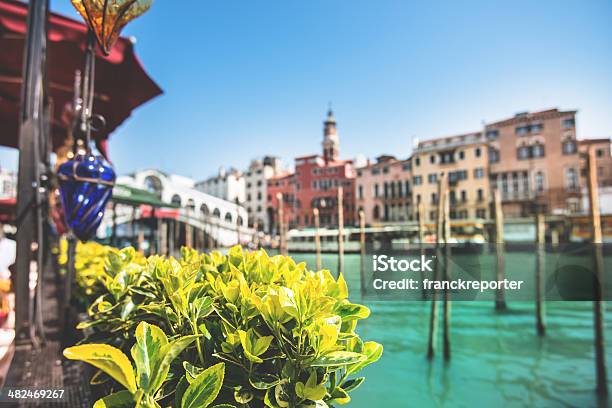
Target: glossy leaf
(108, 359)
(205, 387)
(121, 399)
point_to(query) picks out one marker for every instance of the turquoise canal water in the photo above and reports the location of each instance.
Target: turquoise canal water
(497, 358)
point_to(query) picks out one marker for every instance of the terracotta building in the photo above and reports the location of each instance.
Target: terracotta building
(464, 159)
(315, 185)
(534, 162)
(283, 183)
(603, 160)
(384, 190)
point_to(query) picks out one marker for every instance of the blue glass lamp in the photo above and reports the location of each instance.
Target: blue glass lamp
(86, 185)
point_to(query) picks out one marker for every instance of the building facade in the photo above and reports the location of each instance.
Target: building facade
(256, 190)
(283, 184)
(603, 160)
(228, 185)
(384, 190)
(464, 160)
(534, 162)
(315, 184)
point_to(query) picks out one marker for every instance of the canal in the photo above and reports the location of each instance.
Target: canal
(498, 360)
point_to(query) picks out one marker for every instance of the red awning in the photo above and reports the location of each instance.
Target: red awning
(121, 82)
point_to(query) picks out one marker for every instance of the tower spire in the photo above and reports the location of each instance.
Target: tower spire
(331, 141)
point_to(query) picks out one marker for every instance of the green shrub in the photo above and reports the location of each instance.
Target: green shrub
(285, 334)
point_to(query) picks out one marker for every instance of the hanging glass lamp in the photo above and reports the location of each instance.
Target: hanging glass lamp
(106, 18)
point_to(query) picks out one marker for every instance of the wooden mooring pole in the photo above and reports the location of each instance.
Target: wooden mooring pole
(598, 283)
(362, 248)
(540, 268)
(281, 225)
(447, 276)
(421, 220)
(340, 231)
(500, 297)
(433, 317)
(315, 213)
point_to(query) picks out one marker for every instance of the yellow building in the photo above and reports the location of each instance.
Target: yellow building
(464, 158)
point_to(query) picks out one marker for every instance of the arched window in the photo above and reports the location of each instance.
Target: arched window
(190, 204)
(204, 210)
(216, 213)
(569, 147)
(539, 182)
(228, 217)
(240, 221)
(176, 199)
(376, 212)
(153, 185)
(571, 177)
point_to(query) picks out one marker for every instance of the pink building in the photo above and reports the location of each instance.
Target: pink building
(383, 190)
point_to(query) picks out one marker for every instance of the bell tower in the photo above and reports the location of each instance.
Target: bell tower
(331, 142)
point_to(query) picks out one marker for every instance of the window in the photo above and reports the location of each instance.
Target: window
(204, 210)
(386, 190)
(176, 199)
(523, 152)
(569, 147)
(418, 198)
(530, 152)
(461, 155)
(385, 170)
(479, 173)
(599, 152)
(453, 197)
(536, 128)
(522, 130)
(478, 152)
(537, 150)
(432, 178)
(376, 212)
(481, 213)
(406, 167)
(493, 155)
(417, 180)
(539, 181)
(432, 159)
(455, 176)
(434, 198)
(376, 192)
(571, 178)
(463, 196)
(569, 123)
(359, 173)
(360, 192)
(375, 171)
(407, 187)
(446, 158)
(480, 195)
(417, 162)
(492, 134)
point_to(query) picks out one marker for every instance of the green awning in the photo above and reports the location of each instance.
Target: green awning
(123, 194)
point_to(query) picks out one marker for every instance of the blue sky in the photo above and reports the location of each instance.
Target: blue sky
(248, 78)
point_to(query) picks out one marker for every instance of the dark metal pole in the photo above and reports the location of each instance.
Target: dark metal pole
(30, 139)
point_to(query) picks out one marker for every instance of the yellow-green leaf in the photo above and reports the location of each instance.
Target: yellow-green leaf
(121, 399)
(204, 388)
(108, 359)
